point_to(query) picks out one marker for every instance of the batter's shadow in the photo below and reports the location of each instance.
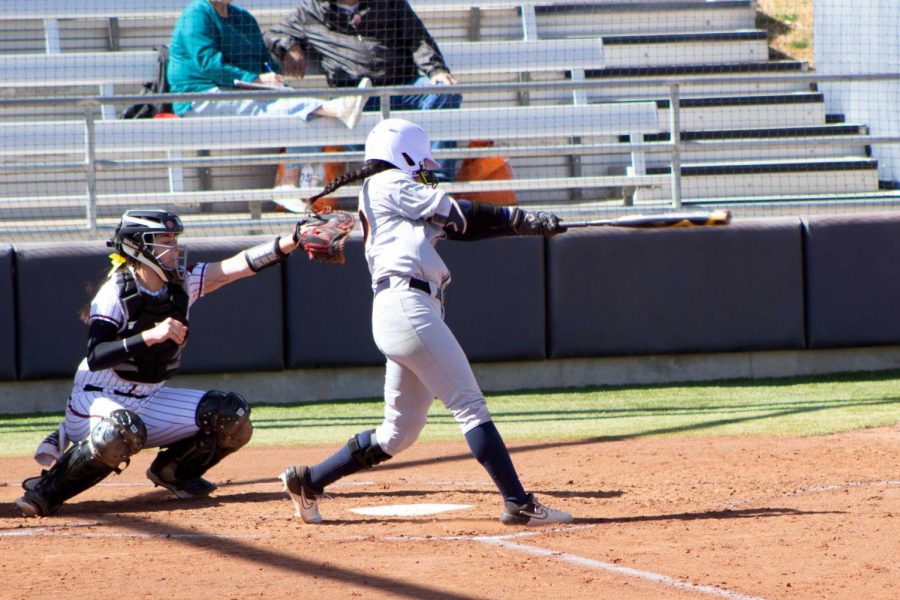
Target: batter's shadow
(159, 500)
(746, 513)
(345, 493)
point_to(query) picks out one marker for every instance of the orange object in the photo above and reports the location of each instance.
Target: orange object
(323, 205)
(333, 170)
(166, 116)
(486, 168)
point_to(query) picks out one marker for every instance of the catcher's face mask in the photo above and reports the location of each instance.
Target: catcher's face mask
(150, 237)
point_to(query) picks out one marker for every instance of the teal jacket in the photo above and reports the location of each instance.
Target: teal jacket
(208, 51)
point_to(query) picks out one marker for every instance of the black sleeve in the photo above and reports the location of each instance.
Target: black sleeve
(281, 37)
(484, 221)
(425, 51)
(105, 348)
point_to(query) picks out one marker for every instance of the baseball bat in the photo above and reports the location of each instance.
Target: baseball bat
(692, 219)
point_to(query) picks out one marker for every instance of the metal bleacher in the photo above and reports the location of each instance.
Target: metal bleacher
(564, 89)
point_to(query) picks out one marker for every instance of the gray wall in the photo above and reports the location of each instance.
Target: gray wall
(769, 284)
(707, 289)
(7, 314)
(853, 280)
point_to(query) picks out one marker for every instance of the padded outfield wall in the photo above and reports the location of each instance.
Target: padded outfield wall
(757, 285)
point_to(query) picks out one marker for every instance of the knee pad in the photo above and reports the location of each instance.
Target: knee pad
(365, 449)
(118, 437)
(224, 422)
(226, 417)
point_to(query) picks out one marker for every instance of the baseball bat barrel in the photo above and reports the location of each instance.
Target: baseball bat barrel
(691, 219)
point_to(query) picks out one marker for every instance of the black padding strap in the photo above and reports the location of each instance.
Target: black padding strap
(365, 450)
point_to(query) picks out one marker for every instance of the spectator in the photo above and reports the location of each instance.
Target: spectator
(382, 40)
(215, 45)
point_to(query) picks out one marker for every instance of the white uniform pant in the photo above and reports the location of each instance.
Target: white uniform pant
(424, 361)
(170, 414)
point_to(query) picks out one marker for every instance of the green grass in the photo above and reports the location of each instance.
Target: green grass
(790, 407)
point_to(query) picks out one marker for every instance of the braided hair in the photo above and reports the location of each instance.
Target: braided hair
(369, 168)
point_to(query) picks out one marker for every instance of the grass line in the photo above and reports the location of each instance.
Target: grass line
(808, 406)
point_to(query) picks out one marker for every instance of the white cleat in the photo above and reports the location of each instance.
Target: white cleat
(533, 513)
(305, 499)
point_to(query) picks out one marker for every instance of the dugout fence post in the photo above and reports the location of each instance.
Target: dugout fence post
(675, 142)
(90, 169)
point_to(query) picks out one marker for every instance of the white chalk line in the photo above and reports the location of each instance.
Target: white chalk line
(611, 568)
(816, 489)
(506, 542)
(62, 531)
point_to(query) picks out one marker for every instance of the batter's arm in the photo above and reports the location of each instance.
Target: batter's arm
(470, 221)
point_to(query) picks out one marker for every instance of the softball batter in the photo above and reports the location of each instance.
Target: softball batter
(403, 216)
(120, 402)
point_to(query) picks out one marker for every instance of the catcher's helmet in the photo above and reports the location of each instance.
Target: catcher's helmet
(135, 238)
(403, 144)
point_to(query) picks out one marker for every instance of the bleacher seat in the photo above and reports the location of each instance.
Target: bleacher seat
(619, 44)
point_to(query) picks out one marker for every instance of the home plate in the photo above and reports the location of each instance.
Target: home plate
(408, 510)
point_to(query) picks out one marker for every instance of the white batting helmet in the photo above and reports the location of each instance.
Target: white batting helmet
(401, 143)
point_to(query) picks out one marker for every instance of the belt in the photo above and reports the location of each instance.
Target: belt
(414, 284)
(94, 388)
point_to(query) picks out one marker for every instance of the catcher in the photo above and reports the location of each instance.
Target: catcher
(138, 326)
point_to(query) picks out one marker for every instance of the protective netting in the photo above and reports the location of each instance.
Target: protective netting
(568, 105)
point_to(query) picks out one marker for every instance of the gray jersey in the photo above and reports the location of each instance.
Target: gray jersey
(400, 237)
(424, 360)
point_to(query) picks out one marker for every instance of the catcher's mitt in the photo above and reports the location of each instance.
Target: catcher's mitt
(322, 236)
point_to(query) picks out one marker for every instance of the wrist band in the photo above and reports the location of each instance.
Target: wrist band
(264, 255)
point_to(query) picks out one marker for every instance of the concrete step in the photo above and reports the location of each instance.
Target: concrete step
(768, 178)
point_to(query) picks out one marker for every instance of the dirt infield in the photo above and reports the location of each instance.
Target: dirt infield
(700, 517)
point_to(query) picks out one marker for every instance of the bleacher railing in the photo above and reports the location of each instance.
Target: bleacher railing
(638, 189)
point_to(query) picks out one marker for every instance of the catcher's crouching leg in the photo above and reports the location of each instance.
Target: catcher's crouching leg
(224, 422)
(111, 442)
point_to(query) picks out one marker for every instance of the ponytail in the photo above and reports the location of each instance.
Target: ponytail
(369, 168)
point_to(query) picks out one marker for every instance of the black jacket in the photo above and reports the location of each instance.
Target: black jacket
(383, 40)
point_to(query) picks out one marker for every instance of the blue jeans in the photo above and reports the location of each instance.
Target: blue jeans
(447, 171)
(295, 107)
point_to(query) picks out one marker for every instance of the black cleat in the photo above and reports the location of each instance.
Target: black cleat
(186, 490)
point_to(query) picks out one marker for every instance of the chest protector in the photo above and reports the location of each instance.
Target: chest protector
(157, 363)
